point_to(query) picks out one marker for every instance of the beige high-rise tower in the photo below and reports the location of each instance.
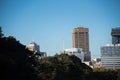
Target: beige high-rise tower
(80, 38)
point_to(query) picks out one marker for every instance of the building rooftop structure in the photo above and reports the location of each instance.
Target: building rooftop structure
(115, 35)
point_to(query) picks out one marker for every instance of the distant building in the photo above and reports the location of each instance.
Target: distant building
(33, 47)
(115, 35)
(36, 49)
(97, 65)
(74, 51)
(96, 62)
(80, 39)
(110, 56)
(96, 59)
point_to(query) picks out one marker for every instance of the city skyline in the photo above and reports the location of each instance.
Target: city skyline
(49, 22)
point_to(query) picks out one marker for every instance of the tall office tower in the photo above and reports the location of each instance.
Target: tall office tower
(115, 35)
(80, 39)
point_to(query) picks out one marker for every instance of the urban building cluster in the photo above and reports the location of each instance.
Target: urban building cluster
(110, 54)
(80, 39)
(80, 45)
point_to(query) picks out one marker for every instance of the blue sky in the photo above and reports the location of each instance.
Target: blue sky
(49, 22)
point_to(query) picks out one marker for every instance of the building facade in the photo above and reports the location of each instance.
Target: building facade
(33, 47)
(96, 62)
(115, 35)
(36, 49)
(80, 39)
(74, 51)
(110, 56)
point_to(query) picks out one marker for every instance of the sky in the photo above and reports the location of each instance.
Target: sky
(50, 22)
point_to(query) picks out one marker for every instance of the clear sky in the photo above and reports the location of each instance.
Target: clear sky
(49, 22)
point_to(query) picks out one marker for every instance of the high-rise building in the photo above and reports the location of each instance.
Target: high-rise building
(110, 56)
(80, 39)
(115, 35)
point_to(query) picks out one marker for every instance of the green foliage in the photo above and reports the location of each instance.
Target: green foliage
(106, 74)
(65, 67)
(15, 63)
(1, 34)
(62, 67)
(118, 74)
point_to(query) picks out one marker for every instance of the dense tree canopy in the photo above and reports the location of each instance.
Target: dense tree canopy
(15, 63)
(1, 34)
(62, 67)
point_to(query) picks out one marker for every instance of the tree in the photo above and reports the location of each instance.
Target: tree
(15, 63)
(11, 38)
(62, 67)
(118, 75)
(1, 34)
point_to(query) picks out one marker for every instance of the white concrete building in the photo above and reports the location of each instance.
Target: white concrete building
(36, 49)
(33, 47)
(74, 51)
(96, 62)
(110, 56)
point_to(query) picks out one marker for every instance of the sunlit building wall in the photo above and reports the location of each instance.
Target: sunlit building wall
(33, 47)
(75, 51)
(36, 49)
(80, 39)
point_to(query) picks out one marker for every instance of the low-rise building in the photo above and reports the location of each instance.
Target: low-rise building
(74, 51)
(36, 49)
(33, 47)
(96, 62)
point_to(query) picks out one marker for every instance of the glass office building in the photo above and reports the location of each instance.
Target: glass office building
(110, 56)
